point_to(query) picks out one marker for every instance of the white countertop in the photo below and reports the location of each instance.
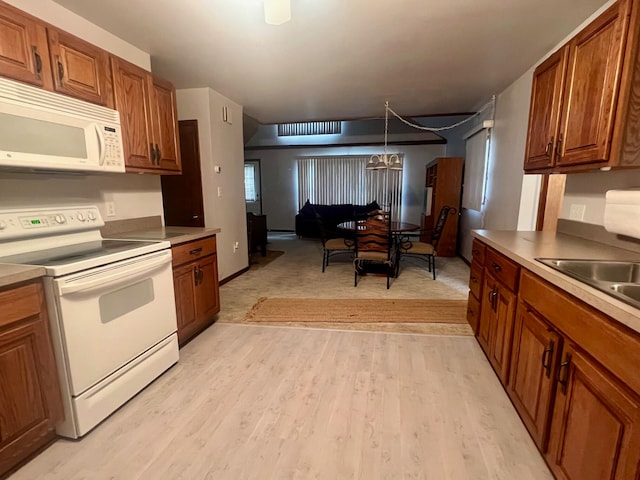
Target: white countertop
(11, 274)
(174, 235)
(524, 247)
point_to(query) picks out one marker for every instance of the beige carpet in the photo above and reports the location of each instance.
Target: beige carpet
(258, 261)
(381, 314)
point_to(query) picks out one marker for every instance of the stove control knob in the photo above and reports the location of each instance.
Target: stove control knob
(3, 224)
(91, 216)
(80, 216)
(59, 219)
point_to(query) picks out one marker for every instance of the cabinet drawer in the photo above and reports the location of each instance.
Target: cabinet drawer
(473, 312)
(503, 269)
(475, 278)
(477, 250)
(187, 252)
(20, 303)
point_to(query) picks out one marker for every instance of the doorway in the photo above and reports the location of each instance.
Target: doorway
(252, 187)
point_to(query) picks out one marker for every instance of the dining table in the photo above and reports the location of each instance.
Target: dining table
(396, 227)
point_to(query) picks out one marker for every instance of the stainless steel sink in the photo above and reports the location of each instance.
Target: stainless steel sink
(620, 279)
(598, 270)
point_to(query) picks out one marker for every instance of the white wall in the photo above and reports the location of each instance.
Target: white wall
(134, 195)
(279, 178)
(589, 189)
(221, 145)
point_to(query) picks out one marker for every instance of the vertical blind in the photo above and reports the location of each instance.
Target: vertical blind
(331, 180)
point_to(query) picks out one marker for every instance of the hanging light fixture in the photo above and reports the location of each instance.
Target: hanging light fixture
(384, 161)
(277, 12)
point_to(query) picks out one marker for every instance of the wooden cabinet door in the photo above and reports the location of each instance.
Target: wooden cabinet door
(590, 97)
(24, 54)
(533, 367)
(81, 69)
(502, 331)
(131, 93)
(487, 313)
(544, 114)
(165, 124)
(595, 432)
(30, 404)
(184, 285)
(207, 295)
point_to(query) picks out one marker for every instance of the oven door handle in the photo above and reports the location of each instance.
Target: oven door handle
(123, 273)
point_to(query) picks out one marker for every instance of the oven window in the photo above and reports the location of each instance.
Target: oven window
(119, 302)
(29, 135)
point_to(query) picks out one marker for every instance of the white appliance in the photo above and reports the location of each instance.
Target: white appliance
(41, 130)
(110, 302)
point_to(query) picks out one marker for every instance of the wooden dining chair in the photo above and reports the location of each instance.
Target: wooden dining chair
(375, 250)
(332, 246)
(411, 246)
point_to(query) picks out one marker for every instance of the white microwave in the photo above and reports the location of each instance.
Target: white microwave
(41, 130)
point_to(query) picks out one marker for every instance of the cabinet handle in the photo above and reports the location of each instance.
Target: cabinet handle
(158, 154)
(37, 59)
(195, 251)
(563, 373)
(474, 253)
(559, 146)
(153, 153)
(493, 296)
(60, 70)
(496, 267)
(546, 358)
(474, 279)
(195, 275)
(547, 150)
(200, 275)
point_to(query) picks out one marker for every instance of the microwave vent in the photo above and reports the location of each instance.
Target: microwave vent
(21, 94)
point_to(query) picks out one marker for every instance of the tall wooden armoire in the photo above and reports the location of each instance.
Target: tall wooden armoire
(442, 186)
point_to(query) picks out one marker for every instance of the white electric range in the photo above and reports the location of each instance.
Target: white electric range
(111, 307)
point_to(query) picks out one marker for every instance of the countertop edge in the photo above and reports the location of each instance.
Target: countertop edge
(616, 309)
(173, 235)
(11, 274)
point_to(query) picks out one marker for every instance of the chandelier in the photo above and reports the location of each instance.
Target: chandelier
(384, 161)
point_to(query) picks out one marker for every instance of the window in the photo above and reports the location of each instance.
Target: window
(475, 167)
(344, 179)
(309, 128)
(250, 194)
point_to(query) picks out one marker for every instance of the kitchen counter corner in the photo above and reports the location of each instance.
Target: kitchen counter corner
(12, 274)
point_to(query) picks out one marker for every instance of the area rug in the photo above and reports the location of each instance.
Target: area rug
(258, 261)
(429, 316)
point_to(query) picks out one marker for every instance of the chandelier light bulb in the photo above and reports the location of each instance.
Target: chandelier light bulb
(277, 12)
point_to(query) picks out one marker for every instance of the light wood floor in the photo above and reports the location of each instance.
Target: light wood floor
(251, 402)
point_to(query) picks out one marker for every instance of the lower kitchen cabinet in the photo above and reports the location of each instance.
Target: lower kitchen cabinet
(536, 348)
(570, 371)
(195, 279)
(30, 401)
(595, 431)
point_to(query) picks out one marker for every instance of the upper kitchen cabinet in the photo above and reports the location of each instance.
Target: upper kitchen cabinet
(24, 54)
(147, 107)
(582, 104)
(544, 118)
(81, 69)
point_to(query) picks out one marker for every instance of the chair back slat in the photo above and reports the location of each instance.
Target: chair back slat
(439, 227)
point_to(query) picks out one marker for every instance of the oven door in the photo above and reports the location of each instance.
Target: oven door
(109, 315)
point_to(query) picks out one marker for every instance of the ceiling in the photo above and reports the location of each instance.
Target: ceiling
(341, 59)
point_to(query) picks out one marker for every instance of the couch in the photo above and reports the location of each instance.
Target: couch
(331, 216)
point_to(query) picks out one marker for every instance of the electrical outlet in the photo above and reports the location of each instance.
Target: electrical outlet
(576, 211)
(111, 209)
(219, 191)
(236, 245)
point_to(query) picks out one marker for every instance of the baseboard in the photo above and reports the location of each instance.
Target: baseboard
(231, 277)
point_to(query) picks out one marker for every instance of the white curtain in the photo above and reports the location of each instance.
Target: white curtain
(331, 180)
(475, 167)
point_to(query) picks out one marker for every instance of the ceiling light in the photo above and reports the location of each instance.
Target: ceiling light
(391, 162)
(277, 12)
